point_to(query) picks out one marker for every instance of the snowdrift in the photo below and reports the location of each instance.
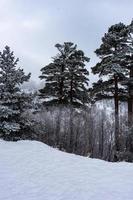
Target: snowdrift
(31, 170)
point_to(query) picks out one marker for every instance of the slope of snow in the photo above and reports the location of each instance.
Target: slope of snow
(30, 170)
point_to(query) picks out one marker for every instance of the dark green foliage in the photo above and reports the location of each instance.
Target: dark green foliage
(111, 65)
(127, 60)
(66, 77)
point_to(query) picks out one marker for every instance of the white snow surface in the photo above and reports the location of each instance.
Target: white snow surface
(31, 170)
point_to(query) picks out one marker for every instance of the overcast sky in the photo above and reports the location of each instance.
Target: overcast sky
(32, 27)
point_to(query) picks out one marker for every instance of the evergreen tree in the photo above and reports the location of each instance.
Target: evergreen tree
(77, 78)
(112, 67)
(127, 59)
(66, 77)
(12, 100)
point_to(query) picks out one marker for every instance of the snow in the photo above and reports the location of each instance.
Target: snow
(31, 170)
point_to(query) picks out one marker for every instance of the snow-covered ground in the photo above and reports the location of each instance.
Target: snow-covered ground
(30, 170)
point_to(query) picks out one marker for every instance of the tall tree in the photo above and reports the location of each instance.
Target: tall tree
(112, 68)
(12, 100)
(55, 73)
(127, 59)
(66, 77)
(77, 78)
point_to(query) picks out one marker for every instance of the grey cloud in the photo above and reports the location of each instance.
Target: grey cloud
(33, 27)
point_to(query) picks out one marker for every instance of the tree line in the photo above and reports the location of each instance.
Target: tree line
(66, 85)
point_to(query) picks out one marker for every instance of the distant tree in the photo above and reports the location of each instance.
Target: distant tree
(112, 68)
(12, 100)
(66, 77)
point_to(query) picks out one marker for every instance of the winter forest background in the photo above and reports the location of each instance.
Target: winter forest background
(67, 111)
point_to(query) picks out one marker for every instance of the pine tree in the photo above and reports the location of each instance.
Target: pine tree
(127, 59)
(66, 77)
(12, 100)
(111, 67)
(78, 78)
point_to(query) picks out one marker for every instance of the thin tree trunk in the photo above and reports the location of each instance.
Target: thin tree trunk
(61, 85)
(130, 102)
(71, 91)
(71, 132)
(116, 102)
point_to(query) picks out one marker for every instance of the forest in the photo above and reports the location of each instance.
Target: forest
(68, 112)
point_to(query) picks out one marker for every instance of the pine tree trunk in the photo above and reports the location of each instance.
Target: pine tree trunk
(116, 101)
(71, 91)
(130, 102)
(71, 132)
(61, 85)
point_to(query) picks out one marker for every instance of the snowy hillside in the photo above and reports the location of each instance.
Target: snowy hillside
(34, 171)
